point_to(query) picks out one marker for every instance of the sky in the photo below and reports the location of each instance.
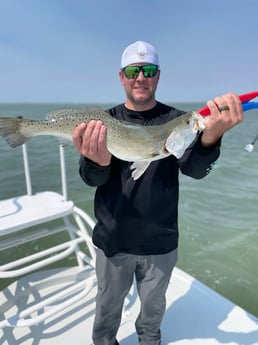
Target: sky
(70, 50)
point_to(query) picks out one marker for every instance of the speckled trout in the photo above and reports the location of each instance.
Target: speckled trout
(131, 142)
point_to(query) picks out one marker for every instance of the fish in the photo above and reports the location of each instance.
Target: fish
(139, 144)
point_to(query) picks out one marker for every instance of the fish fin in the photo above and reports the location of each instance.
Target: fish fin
(10, 131)
(175, 144)
(138, 168)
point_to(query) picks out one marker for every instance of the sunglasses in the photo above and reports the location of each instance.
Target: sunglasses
(132, 72)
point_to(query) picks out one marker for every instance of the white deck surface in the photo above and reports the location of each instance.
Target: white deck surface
(195, 315)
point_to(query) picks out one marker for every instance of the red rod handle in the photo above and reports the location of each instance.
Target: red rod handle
(243, 98)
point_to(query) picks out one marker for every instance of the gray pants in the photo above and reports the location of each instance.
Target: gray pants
(115, 277)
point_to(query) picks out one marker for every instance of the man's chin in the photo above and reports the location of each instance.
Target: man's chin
(141, 99)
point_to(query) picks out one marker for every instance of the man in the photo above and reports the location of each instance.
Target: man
(137, 231)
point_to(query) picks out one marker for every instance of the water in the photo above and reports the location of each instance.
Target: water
(218, 215)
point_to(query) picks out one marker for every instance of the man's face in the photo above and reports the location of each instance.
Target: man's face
(140, 91)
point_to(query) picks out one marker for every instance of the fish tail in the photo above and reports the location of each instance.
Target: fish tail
(10, 130)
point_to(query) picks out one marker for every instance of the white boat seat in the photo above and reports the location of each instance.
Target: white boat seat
(28, 210)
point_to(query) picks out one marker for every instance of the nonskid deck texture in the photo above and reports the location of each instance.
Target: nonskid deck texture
(195, 314)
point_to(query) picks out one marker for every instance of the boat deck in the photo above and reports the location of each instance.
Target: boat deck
(195, 314)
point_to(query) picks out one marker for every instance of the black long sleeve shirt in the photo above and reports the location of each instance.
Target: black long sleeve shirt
(141, 217)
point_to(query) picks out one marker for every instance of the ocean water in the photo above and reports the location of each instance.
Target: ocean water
(218, 215)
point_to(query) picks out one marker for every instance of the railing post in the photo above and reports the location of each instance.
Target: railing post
(26, 169)
(63, 172)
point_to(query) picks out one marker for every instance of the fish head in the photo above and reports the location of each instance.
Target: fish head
(184, 132)
(198, 122)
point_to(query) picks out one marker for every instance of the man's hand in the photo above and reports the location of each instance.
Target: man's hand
(90, 140)
(221, 121)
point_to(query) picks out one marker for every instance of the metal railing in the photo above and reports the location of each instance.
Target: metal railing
(77, 224)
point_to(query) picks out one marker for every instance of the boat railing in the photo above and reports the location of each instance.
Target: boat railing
(62, 170)
(31, 217)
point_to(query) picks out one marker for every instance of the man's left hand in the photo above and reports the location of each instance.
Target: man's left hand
(226, 112)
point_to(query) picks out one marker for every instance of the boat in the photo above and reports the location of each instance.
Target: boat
(47, 302)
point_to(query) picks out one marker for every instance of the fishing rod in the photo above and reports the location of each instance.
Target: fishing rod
(250, 147)
(247, 105)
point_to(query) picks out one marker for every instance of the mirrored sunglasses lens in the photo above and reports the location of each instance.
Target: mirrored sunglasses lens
(149, 71)
(131, 72)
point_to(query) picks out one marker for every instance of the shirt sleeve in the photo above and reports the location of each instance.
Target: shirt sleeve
(93, 174)
(198, 161)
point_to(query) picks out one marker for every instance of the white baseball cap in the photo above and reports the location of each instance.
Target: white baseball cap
(139, 52)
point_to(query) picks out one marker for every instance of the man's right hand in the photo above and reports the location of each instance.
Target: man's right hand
(90, 140)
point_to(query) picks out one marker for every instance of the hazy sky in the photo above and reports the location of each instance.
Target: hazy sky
(70, 50)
